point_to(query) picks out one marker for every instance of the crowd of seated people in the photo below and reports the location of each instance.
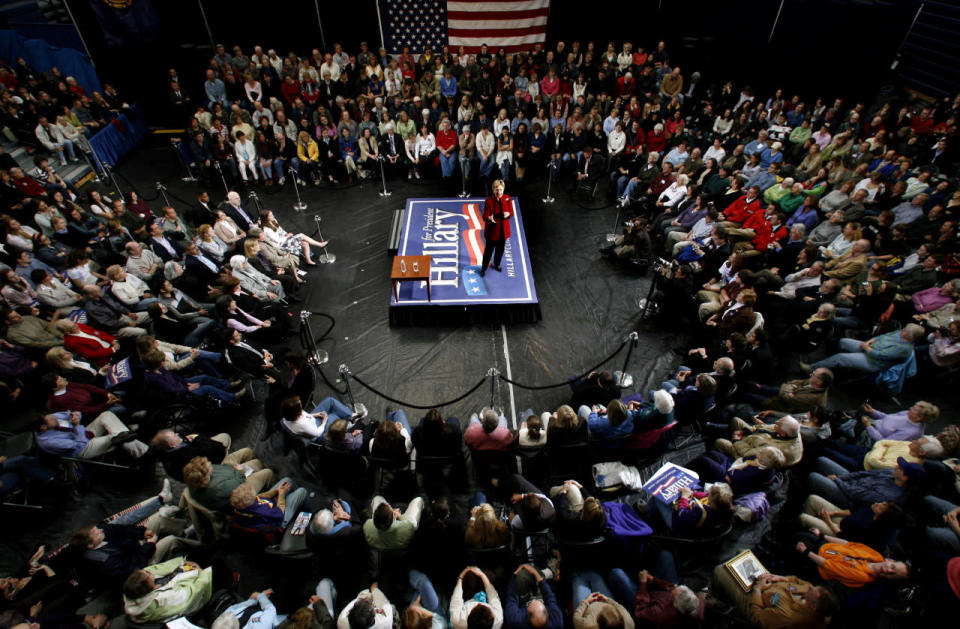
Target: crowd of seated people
(787, 227)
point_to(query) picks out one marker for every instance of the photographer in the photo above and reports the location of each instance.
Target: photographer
(674, 287)
(632, 244)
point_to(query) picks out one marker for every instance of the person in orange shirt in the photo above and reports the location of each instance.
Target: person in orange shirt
(852, 564)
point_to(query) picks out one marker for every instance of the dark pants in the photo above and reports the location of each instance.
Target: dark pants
(493, 248)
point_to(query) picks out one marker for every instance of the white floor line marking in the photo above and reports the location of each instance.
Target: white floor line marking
(506, 355)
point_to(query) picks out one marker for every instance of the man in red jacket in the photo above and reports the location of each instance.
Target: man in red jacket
(88, 342)
(497, 211)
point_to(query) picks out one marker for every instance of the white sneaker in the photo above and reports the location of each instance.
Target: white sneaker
(642, 303)
(417, 174)
(301, 273)
(166, 493)
(359, 411)
(282, 180)
(409, 175)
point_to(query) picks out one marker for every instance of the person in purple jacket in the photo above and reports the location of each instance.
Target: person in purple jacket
(903, 426)
(695, 512)
(272, 508)
(167, 382)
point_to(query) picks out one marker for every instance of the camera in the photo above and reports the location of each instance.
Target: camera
(665, 267)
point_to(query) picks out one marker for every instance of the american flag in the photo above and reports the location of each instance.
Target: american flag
(513, 24)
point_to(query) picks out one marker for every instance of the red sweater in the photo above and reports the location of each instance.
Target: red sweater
(88, 348)
(86, 398)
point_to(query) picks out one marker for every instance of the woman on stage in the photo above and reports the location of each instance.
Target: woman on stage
(497, 211)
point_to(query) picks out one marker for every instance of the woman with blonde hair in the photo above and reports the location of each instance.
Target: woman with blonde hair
(211, 244)
(62, 363)
(273, 508)
(485, 529)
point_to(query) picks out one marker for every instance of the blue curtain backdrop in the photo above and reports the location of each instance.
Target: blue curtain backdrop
(42, 56)
(119, 137)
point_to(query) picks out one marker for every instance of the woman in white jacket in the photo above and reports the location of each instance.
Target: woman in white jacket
(617, 140)
(294, 244)
(674, 194)
(246, 154)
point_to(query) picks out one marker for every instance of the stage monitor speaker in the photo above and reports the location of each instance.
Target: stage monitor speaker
(396, 227)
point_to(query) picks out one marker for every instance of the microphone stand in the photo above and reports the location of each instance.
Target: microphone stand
(216, 166)
(299, 206)
(383, 178)
(326, 257)
(345, 375)
(548, 198)
(463, 178)
(616, 223)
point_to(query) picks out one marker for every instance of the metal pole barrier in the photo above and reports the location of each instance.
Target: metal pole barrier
(176, 144)
(492, 373)
(625, 380)
(345, 376)
(299, 206)
(163, 192)
(216, 166)
(113, 180)
(548, 198)
(315, 356)
(463, 179)
(326, 257)
(383, 178)
(256, 200)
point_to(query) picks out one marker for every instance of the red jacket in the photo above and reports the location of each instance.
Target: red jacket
(290, 91)
(28, 186)
(739, 211)
(491, 231)
(656, 142)
(89, 348)
(767, 235)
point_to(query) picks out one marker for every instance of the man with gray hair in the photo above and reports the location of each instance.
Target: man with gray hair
(488, 431)
(530, 601)
(658, 600)
(876, 354)
(337, 525)
(748, 439)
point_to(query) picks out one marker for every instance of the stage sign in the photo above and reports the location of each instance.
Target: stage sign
(450, 231)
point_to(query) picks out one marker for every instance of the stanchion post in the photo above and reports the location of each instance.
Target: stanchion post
(383, 177)
(345, 376)
(315, 355)
(492, 373)
(176, 144)
(113, 180)
(216, 166)
(548, 198)
(256, 200)
(299, 206)
(623, 379)
(162, 189)
(326, 257)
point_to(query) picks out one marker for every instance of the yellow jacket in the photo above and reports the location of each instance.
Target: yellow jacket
(309, 154)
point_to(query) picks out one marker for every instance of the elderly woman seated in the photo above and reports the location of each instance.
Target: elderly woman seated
(747, 474)
(269, 509)
(694, 513)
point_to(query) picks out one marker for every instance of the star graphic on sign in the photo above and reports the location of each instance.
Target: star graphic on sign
(473, 280)
(475, 290)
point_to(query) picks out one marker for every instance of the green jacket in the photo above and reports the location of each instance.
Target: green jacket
(186, 592)
(223, 480)
(790, 202)
(34, 333)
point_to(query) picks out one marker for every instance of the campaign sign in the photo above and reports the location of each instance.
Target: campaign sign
(665, 485)
(450, 231)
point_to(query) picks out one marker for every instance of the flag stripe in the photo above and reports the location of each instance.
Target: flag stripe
(469, 33)
(496, 41)
(496, 15)
(501, 5)
(487, 25)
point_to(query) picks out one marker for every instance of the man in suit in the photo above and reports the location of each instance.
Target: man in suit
(590, 167)
(235, 210)
(203, 212)
(392, 148)
(175, 451)
(249, 359)
(197, 263)
(161, 245)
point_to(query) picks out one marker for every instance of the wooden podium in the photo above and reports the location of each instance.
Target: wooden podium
(397, 275)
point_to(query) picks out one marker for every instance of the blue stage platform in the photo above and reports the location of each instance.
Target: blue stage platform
(451, 232)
